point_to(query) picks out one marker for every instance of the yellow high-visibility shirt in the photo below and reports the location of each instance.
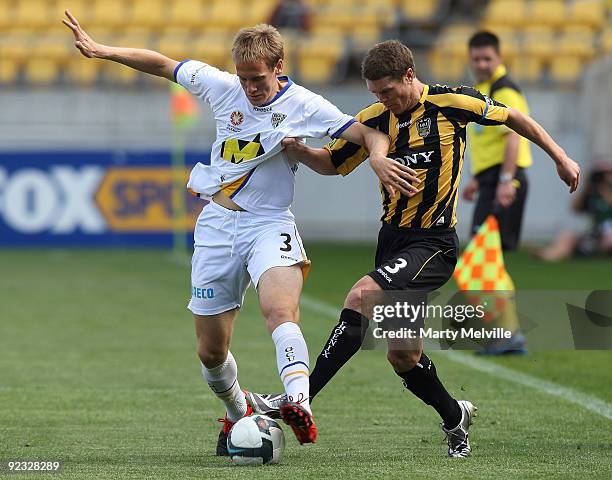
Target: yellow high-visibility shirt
(487, 144)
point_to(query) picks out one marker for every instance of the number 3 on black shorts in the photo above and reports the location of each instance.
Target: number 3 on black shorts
(287, 242)
(397, 266)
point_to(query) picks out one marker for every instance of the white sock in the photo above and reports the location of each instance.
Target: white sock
(223, 381)
(292, 361)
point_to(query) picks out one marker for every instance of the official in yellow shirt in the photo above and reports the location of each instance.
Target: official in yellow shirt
(499, 156)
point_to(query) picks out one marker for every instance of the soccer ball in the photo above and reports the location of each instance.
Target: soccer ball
(256, 440)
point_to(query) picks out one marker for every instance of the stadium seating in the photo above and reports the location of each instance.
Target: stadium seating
(9, 71)
(261, 11)
(229, 14)
(31, 14)
(116, 73)
(150, 14)
(566, 68)
(537, 36)
(175, 45)
(110, 13)
(550, 13)
(186, 14)
(41, 71)
(317, 58)
(6, 14)
(422, 12)
(454, 40)
(590, 13)
(14, 51)
(364, 37)
(526, 70)
(446, 68)
(83, 71)
(606, 41)
(538, 42)
(577, 41)
(506, 12)
(213, 48)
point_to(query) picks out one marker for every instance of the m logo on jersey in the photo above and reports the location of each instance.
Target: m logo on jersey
(423, 126)
(277, 119)
(237, 151)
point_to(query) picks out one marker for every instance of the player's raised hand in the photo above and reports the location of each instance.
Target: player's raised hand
(395, 176)
(569, 172)
(83, 41)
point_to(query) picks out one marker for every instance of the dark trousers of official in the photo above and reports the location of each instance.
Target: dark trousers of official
(510, 219)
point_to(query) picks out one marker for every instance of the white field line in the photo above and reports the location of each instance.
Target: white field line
(586, 401)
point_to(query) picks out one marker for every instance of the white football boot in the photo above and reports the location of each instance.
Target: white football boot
(457, 438)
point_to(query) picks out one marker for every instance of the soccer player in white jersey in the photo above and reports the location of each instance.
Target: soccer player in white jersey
(247, 233)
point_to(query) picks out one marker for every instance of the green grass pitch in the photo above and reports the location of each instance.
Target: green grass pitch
(98, 369)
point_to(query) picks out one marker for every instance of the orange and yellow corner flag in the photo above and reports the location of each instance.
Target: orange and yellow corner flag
(184, 108)
(481, 266)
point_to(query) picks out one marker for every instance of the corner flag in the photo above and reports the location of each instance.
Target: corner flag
(481, 266)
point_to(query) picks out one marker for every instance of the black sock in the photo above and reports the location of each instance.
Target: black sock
(343, 342)
(423, 381)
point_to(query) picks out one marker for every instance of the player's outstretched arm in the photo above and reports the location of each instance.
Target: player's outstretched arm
(393, 175)
(146, 61)
(568, 170)
(317, 159)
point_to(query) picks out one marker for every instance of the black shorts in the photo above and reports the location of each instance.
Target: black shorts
(510, 219)
(414, 259)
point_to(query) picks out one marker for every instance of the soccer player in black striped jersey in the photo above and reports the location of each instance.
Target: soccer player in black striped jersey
(417, 243)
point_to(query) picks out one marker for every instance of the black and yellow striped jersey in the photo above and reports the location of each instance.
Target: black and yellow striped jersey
(429, 138)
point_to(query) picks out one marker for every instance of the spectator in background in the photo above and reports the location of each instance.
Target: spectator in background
(595, 200)
(499, 158)
(291, 14)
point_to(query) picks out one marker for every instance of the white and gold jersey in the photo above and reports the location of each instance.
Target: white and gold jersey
(246, 158)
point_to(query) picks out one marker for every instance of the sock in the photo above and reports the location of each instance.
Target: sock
(223, 381)
(423, 381)
(292, 362)
(343, 342)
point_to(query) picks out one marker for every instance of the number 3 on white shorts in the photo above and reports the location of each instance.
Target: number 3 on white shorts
(287, 242)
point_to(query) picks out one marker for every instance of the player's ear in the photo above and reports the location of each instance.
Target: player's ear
(409, 75)
(278, 69)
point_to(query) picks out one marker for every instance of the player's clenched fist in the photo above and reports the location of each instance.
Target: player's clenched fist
(569, 172)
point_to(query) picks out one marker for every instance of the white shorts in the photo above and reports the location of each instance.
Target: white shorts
(231, 248)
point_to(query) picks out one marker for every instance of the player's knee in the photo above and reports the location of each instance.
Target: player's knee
(280, 314)
(403, 360)
(211, 356)
(354, 298)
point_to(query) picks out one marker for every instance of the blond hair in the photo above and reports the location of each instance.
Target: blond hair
(259, 43)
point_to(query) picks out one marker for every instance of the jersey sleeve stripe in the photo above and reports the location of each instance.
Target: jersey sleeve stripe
(343, 128)
(484, 114)
(176, 69)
